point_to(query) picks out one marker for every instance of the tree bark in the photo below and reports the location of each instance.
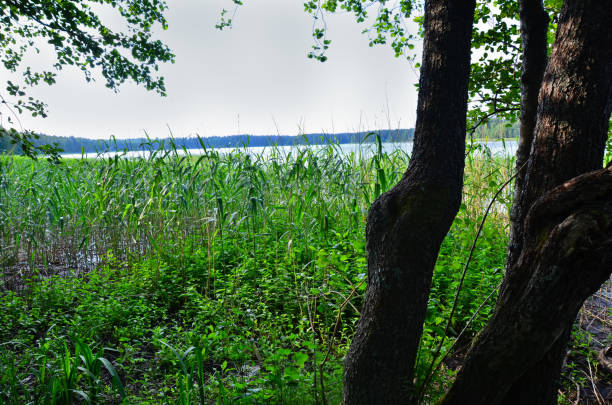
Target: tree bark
(534, 39)
(406, 226)
(569, 140)
(572, 121)
(534, 28)
(568, 255)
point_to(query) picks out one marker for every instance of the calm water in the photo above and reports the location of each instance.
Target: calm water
(499, 148)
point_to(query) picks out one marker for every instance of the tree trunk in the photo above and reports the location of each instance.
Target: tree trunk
(534, 27)
(570, 140)
(572, 121)
(549, 270)
(534, 30)
(568, 255)
(406, 226)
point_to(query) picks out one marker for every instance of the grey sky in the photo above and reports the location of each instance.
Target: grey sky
(253, 79)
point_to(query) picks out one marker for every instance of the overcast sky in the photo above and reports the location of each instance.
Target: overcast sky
(254, 78)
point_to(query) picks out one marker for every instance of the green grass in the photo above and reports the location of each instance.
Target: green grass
(211, 279)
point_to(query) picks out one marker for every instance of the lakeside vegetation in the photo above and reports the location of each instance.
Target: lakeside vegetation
(219, 278)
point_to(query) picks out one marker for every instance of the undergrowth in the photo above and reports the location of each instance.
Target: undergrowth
(213, 279)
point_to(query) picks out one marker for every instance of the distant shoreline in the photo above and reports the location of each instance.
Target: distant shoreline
(493, 131)
(77, 145)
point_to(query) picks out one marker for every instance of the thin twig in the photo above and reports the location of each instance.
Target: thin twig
(314, 340)
(486, 117)
(349, 303)
(465, 328)
(331, 341)
(598, 396)
(338, 316)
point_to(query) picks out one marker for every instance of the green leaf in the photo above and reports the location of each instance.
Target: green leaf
(115, 377)
(300, 359)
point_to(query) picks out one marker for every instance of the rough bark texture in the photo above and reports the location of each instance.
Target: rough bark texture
(534, 27)
(569, 140)
(567, 255)
(571, 126)
(406, 225)
(558, 255)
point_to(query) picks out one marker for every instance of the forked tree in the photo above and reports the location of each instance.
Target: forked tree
(560, 250)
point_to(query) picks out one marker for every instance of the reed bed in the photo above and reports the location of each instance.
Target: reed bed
(214, 278)
(71, 215)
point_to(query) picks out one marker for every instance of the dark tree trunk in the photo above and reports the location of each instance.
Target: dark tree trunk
(557, 257)
(534, 27)
(568, 255)
(534, 30)
(572, 121)
(570, 140)
(406, 225)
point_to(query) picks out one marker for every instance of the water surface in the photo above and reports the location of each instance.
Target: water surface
(499, 148)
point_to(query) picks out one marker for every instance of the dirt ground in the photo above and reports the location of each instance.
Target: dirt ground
(587, 379)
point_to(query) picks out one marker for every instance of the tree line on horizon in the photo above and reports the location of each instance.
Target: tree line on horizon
(493, 129)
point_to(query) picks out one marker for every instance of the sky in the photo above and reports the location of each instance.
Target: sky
(254, 78)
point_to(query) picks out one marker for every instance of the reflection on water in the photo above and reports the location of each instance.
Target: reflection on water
(501, 148)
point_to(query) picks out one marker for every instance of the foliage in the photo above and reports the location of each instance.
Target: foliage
(223, 277)
(389, 25)
(494, 88)
(78, 36)
(608, 153)
(28, 143)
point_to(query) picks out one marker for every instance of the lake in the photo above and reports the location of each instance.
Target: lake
(499, 148)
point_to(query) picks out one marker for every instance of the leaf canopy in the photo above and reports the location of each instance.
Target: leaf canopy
(79, 37)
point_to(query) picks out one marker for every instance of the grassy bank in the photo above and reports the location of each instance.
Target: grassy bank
(216, 278)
